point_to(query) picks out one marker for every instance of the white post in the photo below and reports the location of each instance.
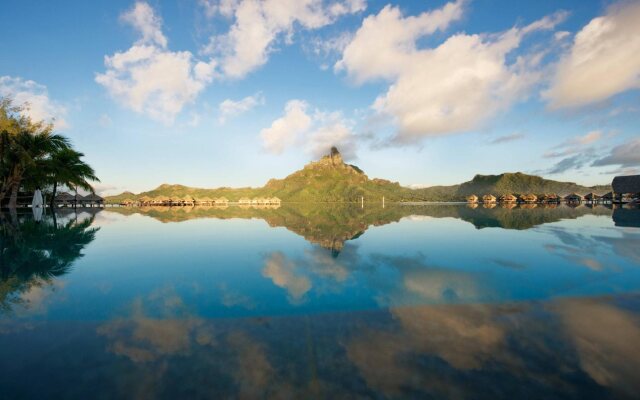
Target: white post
(362, 201)
(382, 201)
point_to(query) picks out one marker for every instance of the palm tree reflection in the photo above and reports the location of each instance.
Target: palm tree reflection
(34, 253)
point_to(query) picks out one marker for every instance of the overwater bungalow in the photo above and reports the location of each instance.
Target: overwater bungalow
(128, 202)
(508, 198)
(145, 200)
(161, 201)
(244, 201)
(472, 199)
(607, 198)
(592, 198)
(92, 200)
(64, 199)
(528, 198)
(203, 201)
(274, 200)
(221, 201)
(549, 198)
(175, 201)
(187, 200)
(626, 188)
(573, 198)
(488, 199)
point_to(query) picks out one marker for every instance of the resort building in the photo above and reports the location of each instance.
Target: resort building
(488, 199)
(472, 199)
(221, 201)
(607, 198)
(64, 199)
(508, 198)
(573, 198)
(549, 198)
(626, 188)
(91, 200)
(592, 198)
(244, 201)
(528, 198)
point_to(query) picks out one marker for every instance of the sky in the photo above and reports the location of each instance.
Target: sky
(213, 93)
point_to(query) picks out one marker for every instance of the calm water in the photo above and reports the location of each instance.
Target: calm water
(440, 301)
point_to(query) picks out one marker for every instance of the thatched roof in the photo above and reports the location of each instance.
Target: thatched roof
(591, 196)
(128, 201)
(472, 197)
(608, 196)
(508, 197)
(161, 199)
(573, 196)
(488, 197)
(222, 200)
(204, 199)
(244, 200)
(145, 199)
(92, 197)
(64, 196)
(275, 200)
(626, 184)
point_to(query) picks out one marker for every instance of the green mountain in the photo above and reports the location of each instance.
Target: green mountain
(330, 179)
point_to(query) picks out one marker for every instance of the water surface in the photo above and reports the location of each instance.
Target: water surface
(308, 301)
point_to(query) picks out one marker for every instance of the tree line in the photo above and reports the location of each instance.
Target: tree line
(33, 156)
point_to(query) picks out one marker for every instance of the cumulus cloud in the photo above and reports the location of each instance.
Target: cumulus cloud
(284, 131)
(604, 59)
(147, 77)
(451, 88)
(625, 155)
(316, 131)
(35, 97)
(232, 108)
(259, 25)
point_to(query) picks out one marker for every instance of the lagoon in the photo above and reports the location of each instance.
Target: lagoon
(321, 301)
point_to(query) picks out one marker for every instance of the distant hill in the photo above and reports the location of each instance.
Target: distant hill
(330, 179)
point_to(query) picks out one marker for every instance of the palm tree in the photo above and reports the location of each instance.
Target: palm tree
(29, 147)
(65, 167)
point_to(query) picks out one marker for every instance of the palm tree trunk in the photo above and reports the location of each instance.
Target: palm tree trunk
(13, 200)
(53, 194)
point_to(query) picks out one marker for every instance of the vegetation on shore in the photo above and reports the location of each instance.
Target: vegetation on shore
(33, 156)
(332, 180)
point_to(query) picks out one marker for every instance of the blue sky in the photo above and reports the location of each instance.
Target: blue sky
(234, 92)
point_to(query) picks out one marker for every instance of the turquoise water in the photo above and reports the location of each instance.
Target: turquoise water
(440, 301)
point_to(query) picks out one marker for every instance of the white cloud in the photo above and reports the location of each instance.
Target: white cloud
(150, 79)
(603, 61)
(144, 20)
(230, 108)
(315, 131)
(385, 42)
(258, 25)
(451, 88)
(39, 105)
(284, 131)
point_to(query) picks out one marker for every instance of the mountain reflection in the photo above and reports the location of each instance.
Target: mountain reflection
(34, 253)
(330, 226)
